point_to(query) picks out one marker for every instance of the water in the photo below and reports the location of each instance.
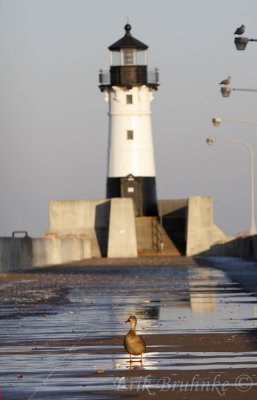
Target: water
(57, 349)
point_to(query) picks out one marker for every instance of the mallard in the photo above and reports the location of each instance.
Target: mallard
(134, 344)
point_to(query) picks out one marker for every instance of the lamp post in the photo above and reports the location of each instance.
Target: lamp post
(241, 42)
(226, 90)
(211, 141)
(217, 121)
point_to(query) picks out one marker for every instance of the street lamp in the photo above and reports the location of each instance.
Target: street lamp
(217, 121)
(241, 42)
(226, 90)
(211, 141)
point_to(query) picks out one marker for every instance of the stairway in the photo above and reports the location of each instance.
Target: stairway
(144, 233)
(152, 239)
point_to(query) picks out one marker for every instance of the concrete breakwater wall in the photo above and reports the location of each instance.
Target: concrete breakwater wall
(201, 231)
(80, 229)
(59, 250)
(17, 254)
(245, 247)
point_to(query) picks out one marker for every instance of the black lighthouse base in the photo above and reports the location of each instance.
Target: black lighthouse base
(141, 189)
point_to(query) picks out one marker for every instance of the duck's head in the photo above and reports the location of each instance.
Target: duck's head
(133, 321)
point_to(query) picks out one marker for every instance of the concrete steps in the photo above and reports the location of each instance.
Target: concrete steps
(152, 238)
(144, 233)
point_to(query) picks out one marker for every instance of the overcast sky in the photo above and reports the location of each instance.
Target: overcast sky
(53, 117)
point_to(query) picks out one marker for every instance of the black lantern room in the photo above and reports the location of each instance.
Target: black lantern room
(128, 64)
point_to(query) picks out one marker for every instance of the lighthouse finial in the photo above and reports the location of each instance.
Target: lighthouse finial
(127, 28)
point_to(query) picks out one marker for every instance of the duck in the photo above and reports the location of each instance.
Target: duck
(133, 343)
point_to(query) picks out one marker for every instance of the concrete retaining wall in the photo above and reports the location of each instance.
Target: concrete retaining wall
(239, 247)
(202, 233)
(76, 216)
(173, 215)
(15, 254)
(96, 228)
(86, 219)
(77, 230)
(58, 251)
(169, 207)
(122, 229)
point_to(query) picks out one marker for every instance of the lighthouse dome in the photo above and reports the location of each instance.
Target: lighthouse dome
(128, 41)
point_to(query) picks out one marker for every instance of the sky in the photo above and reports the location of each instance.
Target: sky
(53, 117)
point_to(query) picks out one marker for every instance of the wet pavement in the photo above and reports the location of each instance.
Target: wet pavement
(62, 328)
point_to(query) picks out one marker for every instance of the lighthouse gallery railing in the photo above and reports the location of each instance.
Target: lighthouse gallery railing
(151, 78)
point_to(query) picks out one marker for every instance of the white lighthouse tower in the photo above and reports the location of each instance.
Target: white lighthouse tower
(128, 87)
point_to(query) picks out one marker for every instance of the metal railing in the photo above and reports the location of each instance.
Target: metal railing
(24, 233)
(151, 79)
(153, 76)
(104, 77)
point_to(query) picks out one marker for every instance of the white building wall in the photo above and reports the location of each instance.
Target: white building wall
(135, 156)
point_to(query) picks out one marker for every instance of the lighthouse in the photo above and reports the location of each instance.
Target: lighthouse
(129, 87)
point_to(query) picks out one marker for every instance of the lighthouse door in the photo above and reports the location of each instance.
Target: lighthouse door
(130, 187)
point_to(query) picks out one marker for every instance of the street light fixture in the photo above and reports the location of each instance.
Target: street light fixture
(226, 90)
(241, 42)
(217, 121)
(211, 141)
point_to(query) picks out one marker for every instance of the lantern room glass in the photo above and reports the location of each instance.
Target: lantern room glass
(128, 57)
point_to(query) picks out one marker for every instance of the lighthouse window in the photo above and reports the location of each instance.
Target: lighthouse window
(128, 56)
(129, 99)
(115, 58)
(141, 57)
(130, 135)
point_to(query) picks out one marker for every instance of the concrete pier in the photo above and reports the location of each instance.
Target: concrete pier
(81, 229)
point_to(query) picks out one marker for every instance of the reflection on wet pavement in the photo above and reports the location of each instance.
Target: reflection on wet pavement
(48, 349)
